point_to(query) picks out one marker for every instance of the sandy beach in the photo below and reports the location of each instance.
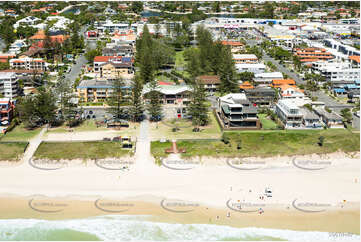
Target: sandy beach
(332, 193)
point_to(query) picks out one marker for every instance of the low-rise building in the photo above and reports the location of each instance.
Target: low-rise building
(291, 92)
(277, 83)
(261, 96)
(6, 111)
(255, 68)
(9, 87)
(330, 119)
(210, 83)
(170, 95)
(307, 55)
(265, 78)
(115, 69)
(245, 58)
(235, 111)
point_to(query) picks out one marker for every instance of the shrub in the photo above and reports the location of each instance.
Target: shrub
(225, 138)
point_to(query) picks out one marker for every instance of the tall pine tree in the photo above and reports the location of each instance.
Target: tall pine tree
(197, 107)
(117, 99)
(154, 106)
(136, 105)
(227, 72)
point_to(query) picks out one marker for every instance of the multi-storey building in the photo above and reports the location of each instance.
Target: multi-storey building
(9, 85)
(6, 111)
(336, 71)
(289, 113)
(235, 111)
(28, 64)
(245, 58)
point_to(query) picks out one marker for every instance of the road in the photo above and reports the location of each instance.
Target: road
(322, 97)
(81, 60)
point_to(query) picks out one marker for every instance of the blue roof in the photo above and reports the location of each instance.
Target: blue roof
(339, 90)
(351, 86)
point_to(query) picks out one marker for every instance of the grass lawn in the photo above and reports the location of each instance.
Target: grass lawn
(87, 125)
(164, 130)
(19, 133)
(179, 58)
(266, 122)
(12, 151)
(80, 150)
(268, 143)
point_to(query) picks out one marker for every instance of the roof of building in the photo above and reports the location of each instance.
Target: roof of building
(232, 43)
(355, 58)
(168, 89)
(105, 58)
(283, 81)
(96, 83)
(246, 85)
(209, 79)
(244, 57)
(268, 74)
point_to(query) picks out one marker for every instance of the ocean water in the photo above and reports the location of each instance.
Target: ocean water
(124, 227)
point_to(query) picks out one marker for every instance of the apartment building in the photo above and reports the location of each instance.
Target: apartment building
(245, 58)
(115, 69)
(9, 85)
(28, 64)
(307, 55)
(97, 90)
(235, 111)
(119, 50)
(335, 71)
(209, 83)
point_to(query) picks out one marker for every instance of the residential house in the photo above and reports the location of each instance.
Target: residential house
(27, 21)
(289, 113)
(6, 111)
(5, 57)
(100, 60)
(355, 61)
(310, 119)
(277, 83)
(210, 83)
(330, 119)
(291, 92)
(245, 86)
(9, 86)
(235, 111)
(265, 78)
(261, 96)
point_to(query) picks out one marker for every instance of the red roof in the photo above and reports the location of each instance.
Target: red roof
(355, 58)
(105, 58)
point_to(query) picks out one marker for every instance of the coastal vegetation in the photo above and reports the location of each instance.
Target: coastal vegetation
(12, 151)
(81, 150)
(266, 144)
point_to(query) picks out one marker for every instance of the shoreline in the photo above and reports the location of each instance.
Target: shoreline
(276, 216)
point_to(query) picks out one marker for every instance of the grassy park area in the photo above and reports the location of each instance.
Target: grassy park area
(164, 129)
(20, 133)
(267, 144)
(81, 150)
(12, 151)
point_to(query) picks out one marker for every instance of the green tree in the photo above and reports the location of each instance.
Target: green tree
(136, 105)
(227, 72)
(154, 107)
(347, 115)
(117, 99)
(37, 110)
(67, 106)
(197, 107)
(136, 7)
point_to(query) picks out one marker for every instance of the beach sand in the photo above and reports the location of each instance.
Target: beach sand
(71, 192)
(275, 216)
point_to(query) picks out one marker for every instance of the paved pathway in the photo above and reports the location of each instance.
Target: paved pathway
(33, 146)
